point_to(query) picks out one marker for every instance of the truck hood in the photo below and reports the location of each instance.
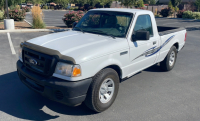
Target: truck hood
(81, 46)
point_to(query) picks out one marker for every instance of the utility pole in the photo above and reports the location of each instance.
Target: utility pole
(7, 9)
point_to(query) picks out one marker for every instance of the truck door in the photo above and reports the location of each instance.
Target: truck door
(141, 52)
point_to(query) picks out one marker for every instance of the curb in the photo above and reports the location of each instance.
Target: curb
(54, 10)
(26, 30)
(179, 18)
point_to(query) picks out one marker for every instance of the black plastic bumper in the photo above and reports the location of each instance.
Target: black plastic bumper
(66, 92)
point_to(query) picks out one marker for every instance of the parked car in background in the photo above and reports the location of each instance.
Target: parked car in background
(22, 5)
(45, 5)
(30, 5)
(52, 5)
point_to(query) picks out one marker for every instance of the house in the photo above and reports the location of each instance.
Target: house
(167, 1)
(185, 4)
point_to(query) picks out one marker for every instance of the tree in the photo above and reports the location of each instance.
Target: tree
(146, 1)
(140, 3)
(104, 2)
(127, 3)
(152, 2)
(74, 1)
(80, 2)
(170, 4)
(64, 3)
(93, 2)
(35, 1)
(23, 1)
(2, 3)
(175, 3)
(10, 3)
(197, 2)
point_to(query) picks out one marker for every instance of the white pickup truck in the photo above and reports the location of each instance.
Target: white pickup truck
(87, 63)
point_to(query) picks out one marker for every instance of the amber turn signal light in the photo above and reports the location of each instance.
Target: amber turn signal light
(76, 72)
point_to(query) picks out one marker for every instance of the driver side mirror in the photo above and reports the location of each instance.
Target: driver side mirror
(140, 36)
(74, 24)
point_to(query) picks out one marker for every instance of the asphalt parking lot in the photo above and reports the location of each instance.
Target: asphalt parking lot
(51, 18)
(152, 95)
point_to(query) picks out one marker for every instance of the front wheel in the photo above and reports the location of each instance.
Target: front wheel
(103, 90)
(168, 63)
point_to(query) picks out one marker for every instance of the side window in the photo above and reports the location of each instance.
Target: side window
(144, 23)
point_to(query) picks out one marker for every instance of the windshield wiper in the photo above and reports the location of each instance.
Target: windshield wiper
(104, 33)
(80, 29)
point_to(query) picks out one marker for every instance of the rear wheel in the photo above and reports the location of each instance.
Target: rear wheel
(168, 63)
(103, 90)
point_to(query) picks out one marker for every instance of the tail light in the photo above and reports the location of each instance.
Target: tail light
(185, 36)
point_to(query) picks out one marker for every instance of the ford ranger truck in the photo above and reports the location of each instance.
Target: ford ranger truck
(87, 63)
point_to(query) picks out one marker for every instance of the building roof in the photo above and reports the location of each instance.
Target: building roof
(183, 1)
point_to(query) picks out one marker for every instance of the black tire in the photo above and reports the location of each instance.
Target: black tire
(165, 64)
(92, 100)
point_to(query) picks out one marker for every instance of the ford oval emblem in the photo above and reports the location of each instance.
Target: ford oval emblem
(33, 61)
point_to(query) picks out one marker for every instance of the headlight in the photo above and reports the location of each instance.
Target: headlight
(20, 54)
(68, 70)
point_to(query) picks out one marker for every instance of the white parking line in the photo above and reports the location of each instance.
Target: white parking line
(11, 44)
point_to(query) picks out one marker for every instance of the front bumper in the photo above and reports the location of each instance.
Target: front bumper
(63, 91)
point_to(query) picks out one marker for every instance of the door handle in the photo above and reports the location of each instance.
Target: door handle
(154, 42)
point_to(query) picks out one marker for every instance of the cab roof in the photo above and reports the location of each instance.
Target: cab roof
(121, 10)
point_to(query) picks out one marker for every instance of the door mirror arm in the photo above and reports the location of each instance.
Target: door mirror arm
(133, 39)
(74, 24)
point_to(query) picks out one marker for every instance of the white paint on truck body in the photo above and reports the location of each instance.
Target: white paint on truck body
(94, 52)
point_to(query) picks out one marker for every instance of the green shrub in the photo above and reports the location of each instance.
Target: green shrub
(1, 15)
(37, 15)
(45, 7)
(17, 14)
(72, 17)
(191, 15)
(157, 15)
(188, 14)
(166, 12)
(197, 15)
(27, 9)
(12, 7)
(180, 13)
(71, 8)
(38, 23)
(76, 8)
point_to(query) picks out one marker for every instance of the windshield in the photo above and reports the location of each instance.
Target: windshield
(109, 23)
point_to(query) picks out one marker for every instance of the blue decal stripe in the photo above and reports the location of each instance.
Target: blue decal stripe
(154, 50)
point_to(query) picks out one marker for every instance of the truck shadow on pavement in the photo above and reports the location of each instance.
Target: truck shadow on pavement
(19, 101)
(154, 68)
(193, 28)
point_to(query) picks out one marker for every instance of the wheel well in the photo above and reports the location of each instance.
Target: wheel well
(176, 45)
(117, 69)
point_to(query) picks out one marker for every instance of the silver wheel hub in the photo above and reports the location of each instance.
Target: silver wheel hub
(172, 58)
(106, 90)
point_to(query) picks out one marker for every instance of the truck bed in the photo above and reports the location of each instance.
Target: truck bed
(162, 30)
